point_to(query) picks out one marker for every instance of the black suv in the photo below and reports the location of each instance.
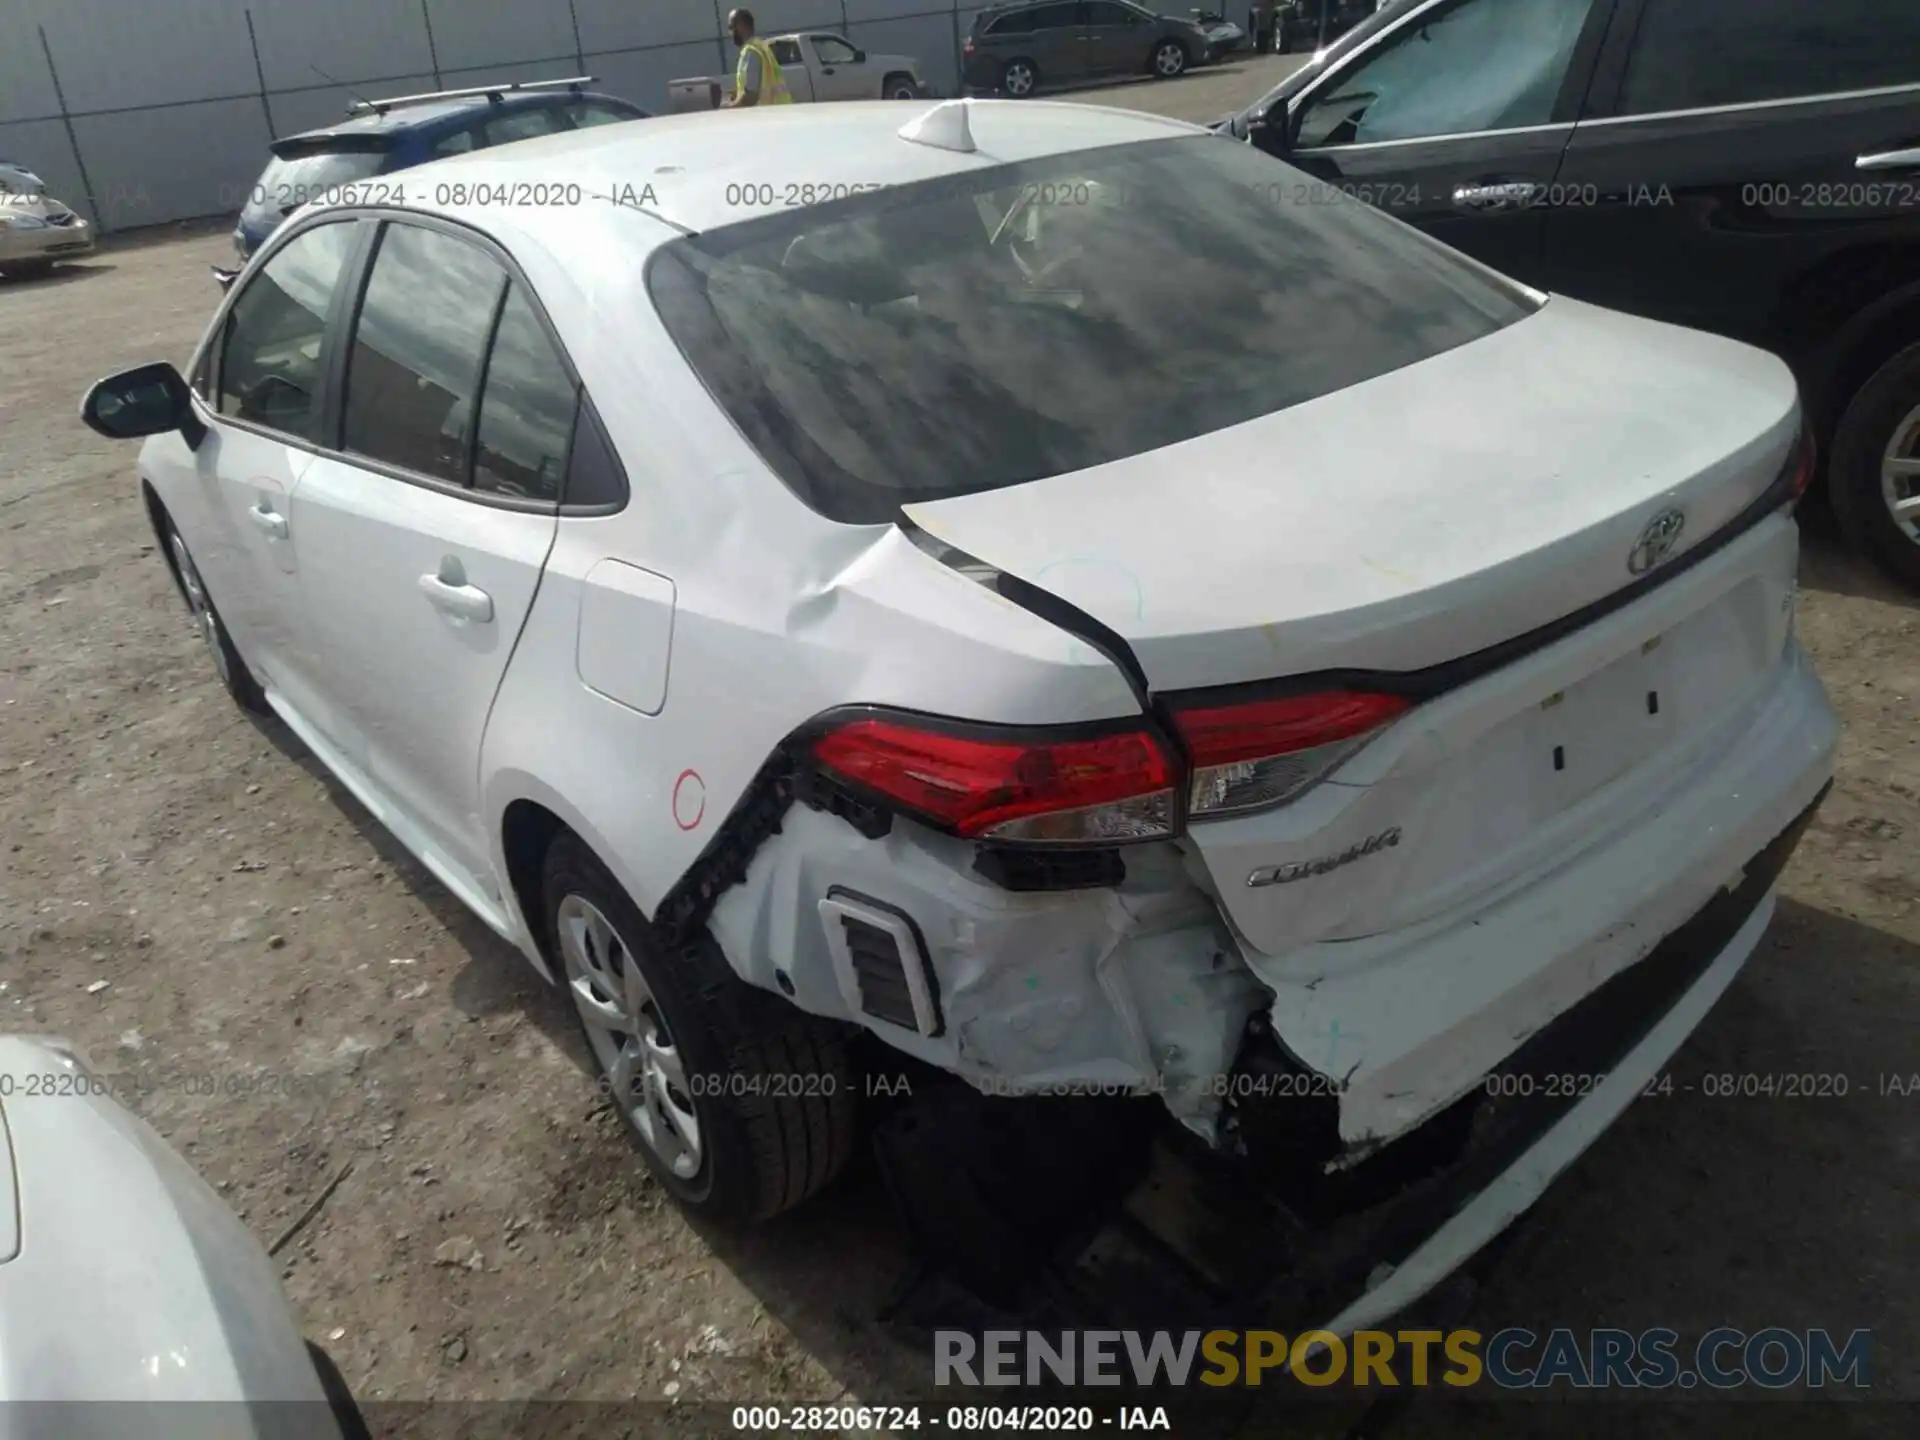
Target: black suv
(1013, 49)
(1750, 167)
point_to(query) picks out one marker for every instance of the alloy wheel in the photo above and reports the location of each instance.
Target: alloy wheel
(1169, 60)
(631, 1041)
(1900, 476)
(204, 620)
(1019, 79)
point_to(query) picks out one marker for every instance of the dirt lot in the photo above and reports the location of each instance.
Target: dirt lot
(262, 937)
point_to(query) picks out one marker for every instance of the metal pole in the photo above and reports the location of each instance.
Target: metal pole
(260, 72)
(433, 52)
(959, 60)
(579, 50)
(66, 119)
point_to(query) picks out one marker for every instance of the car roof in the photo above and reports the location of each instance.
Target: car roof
(429, 114)
(705, 170)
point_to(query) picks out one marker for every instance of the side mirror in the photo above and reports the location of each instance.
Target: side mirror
(148, 400)
(859, 57)
(1272, 129)
(224, 277)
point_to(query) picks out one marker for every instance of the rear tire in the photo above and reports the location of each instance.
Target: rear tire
(1876, 464)
(899, 87)
(232, 672)
(1019, 79)
(741, 1105)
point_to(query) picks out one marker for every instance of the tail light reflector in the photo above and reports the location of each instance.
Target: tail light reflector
(1256, 754)
(1804, 462)
(997, 785)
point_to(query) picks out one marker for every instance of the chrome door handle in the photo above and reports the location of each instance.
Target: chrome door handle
(1890, 160)
(271, 521)
(463, 602)
(1499, 195)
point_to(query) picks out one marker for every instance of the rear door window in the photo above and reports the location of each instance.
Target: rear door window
(418, 345)
(1018, 23)
(586, 114)
(523, 124)
(526, 409)
(1056, 17)
(271, 353)
(1691, 56)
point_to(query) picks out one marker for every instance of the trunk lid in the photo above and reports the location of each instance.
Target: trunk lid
(1425, 514)
(1419, 518)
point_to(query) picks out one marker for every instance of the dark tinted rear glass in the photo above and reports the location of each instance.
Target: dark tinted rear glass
(1011, 323)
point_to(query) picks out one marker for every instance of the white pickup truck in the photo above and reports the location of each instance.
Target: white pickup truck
(816, 66)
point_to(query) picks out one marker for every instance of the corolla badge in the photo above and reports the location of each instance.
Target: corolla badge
(1656, 543)
(1300, 869)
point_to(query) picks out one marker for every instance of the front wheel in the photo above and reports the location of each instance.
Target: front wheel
(232, 671)
(1873, 479)
(1169, 59)
(741, 1105)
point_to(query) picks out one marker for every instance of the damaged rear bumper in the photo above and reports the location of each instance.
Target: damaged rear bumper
(1399, 1026)
(1359, 1262)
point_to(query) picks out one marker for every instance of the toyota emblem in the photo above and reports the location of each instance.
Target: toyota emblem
(1657, 542)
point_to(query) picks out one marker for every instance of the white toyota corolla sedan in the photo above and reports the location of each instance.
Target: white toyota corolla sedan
(839, 568)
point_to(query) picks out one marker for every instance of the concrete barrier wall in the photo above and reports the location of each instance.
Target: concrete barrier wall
(140, 112)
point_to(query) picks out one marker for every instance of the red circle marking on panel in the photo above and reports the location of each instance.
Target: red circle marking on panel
(682, 795)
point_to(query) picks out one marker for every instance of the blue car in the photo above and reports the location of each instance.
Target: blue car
(379, 137)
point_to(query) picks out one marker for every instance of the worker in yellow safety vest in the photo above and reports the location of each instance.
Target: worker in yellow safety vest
(757, 80)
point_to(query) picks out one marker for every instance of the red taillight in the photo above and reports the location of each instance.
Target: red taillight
(1085, 789)
(1261, 752)
(1804, 462)
(967, 48)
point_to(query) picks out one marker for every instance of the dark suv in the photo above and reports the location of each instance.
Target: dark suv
(1750, 167)
(1014, 49)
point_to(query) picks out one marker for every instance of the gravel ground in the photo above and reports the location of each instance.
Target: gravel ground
(260, 937)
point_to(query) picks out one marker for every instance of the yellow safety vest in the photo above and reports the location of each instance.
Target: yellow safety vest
(773, 86)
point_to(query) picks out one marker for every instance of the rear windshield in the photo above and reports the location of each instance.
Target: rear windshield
(287, 184)
(1010, 323)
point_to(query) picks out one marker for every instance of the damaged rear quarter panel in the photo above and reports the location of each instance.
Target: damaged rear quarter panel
(1137, 986)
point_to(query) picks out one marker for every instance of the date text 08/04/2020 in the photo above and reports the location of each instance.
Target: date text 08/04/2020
(987, 1419)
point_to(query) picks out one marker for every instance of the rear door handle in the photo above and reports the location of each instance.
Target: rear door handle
(451, 595)
(269, 520)
(1496, 195)
(1890, 160)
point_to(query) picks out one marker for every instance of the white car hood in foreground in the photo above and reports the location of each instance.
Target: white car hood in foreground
(1423, 515)
(130, 1280)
